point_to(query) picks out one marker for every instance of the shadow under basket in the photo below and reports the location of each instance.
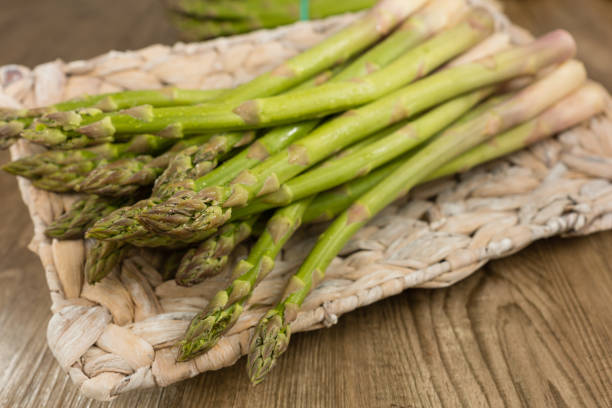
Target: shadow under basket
(120, 334)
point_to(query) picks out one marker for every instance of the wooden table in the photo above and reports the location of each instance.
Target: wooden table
(534, 329)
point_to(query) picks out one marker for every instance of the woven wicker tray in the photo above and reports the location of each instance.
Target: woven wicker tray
(118, 335)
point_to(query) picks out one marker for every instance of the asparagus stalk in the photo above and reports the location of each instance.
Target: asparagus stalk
(224, 309)
(258, 15)
(212, 255)
(303, 104)
(82, 215)
(436, 15)
(62, 171)
(412, 32)
(15, 121)
(570, 111)
(109, 102)
(191, 211)
(196, 161)
(164, 188)
(364, 160)
(273, 331)
(196, 29)
(581, 105)
(337, 48)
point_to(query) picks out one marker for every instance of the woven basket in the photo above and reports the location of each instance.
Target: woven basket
(119, 335)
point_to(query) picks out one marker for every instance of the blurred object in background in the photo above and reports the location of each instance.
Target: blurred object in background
(205, 19)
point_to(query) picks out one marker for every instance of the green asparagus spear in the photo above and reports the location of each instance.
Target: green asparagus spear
(307, 103)
(335, 49)
(273, 332)
(413, 31)
(224, 309)
(9, 132)
(570, 111)
(83, 214)
(581, 105)
(191, 211)
(368, 158)
(15, 121)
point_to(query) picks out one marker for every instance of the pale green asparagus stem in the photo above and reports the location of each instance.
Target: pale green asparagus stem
(368, 158)
(570, 111)
(273, 331)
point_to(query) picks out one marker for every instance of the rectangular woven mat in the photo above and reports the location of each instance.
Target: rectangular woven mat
(118, 335)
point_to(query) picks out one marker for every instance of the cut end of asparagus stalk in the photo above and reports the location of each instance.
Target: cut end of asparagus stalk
(270, 340)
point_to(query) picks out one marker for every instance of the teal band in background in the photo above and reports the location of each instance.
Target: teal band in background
(304, 10)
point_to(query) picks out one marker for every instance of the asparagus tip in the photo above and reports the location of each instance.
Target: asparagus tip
(44, 135)
(196, 270)
(270, 340)
(183, 214)
(206, 329)
(11, 129)
(102, 257)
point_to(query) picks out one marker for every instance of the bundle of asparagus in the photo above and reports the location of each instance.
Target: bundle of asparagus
(201, 20)
(334, 134)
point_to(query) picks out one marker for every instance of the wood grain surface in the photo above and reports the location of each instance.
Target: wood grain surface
(532, 330)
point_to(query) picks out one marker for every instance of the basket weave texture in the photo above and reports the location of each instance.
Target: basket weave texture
(119, 335)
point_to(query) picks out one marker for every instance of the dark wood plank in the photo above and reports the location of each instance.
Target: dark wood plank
(530, 330)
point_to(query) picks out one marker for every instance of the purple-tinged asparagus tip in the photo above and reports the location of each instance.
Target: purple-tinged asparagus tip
(269, 342)
(184, 214)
